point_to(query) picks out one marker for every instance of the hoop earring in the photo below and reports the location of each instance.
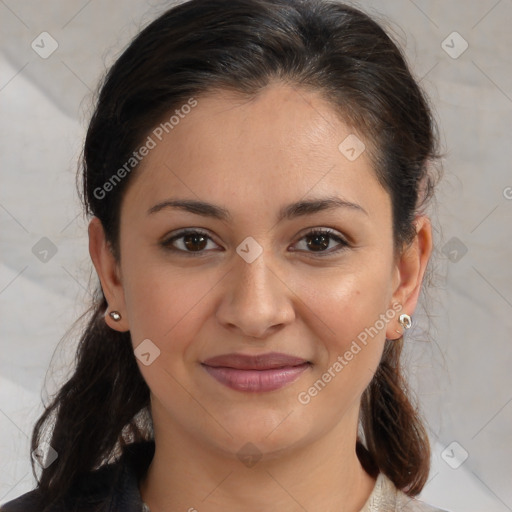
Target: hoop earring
(115, 315)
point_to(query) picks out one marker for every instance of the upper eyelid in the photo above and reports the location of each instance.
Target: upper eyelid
(204, 231)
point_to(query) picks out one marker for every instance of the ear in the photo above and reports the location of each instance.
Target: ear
(109, 274)
(409, 271)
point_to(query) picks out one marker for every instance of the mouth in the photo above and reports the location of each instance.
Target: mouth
(265, 372)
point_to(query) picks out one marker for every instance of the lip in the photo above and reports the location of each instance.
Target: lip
(265, 372)
(266, 361)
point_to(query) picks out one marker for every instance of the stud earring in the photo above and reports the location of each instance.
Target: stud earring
(405, 321)
(115, 315)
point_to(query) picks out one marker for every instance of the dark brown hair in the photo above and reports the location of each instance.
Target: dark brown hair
(243, 45)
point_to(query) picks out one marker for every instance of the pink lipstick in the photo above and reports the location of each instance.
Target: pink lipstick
(265, 372)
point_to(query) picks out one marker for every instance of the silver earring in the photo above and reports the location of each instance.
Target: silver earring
(405, 321)
(115, 315)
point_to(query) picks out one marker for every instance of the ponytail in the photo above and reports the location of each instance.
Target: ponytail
(396, 440)
(95, 408)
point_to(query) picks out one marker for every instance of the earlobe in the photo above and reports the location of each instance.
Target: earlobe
(107, 269)
(411, 268)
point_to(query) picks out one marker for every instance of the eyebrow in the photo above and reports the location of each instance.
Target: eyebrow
(289, 212)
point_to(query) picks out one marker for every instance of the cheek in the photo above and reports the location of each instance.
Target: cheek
(347, 301)
(351, 333)
(165, 303)
(168, 307)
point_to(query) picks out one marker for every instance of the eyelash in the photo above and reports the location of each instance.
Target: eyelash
(167, 244)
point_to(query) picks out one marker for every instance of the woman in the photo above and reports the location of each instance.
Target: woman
(257, 173)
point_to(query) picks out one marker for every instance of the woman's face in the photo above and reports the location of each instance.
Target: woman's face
(255, 281)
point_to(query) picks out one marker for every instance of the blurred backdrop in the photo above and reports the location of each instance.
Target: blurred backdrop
(458, 354)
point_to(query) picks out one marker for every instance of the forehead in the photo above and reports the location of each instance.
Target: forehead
(263, 152)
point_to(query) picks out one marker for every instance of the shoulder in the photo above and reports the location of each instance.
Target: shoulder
(89, 490)
(385, 497)
(25, 502)
(408, 504)
(111, 487)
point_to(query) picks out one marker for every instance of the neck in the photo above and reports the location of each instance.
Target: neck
(322, 476)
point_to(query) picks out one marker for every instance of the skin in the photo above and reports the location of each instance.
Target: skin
(252, 158)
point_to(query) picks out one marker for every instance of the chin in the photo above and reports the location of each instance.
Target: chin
(261, 438)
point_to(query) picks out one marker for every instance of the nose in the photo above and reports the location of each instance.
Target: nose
(256, 299)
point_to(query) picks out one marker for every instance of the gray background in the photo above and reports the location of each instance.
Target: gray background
(461, 376)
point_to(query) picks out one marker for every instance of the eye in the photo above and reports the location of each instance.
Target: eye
(191, 241)
(194, 242)
(318, 240)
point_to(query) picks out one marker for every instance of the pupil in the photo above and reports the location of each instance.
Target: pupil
(194, 238)
(324, 240)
